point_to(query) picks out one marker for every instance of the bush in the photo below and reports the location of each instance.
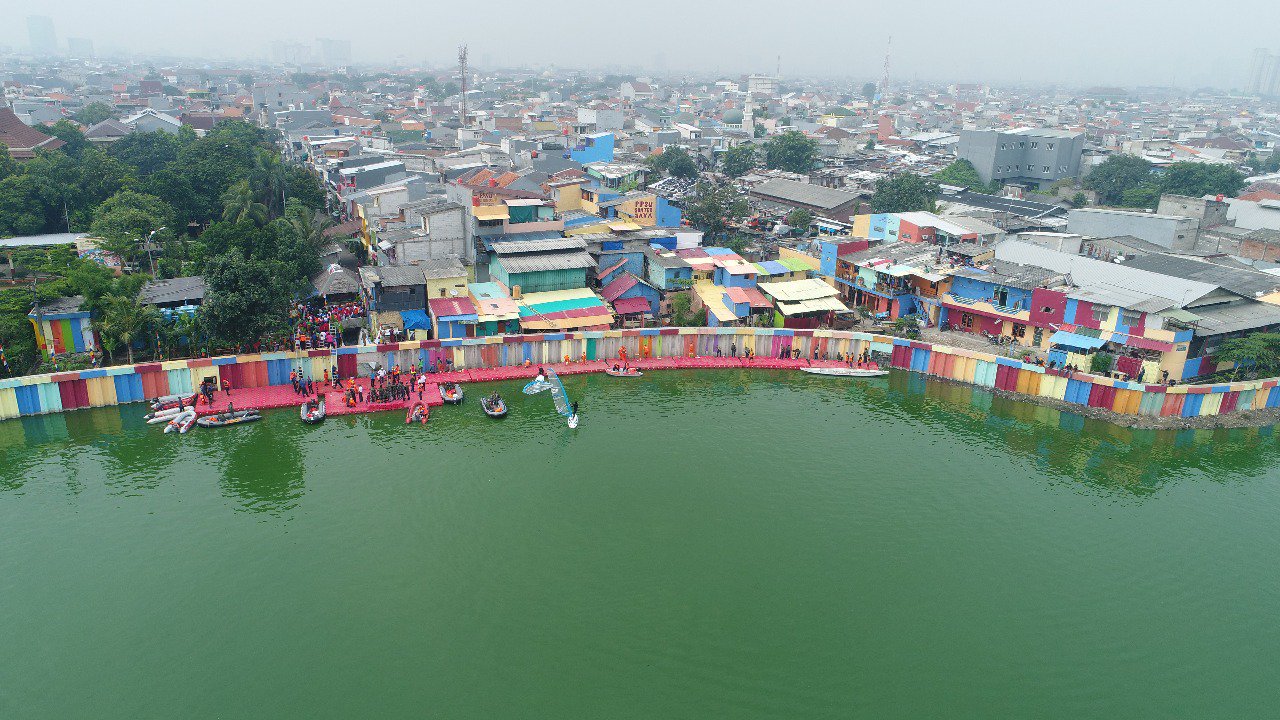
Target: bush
(1100, 364)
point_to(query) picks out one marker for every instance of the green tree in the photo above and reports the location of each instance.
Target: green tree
(1079, 200)
(1200, 179)
(239, 204)
(127, 320)
(714, 207)
(869, 91)
(739, 160)
(93, 113)
(675, 162)
(800, 219)
(791, 151)
(68, 133)
(27, 206)
(1115, 175)
(961, 173)
(148, 152)
(682, 314)
(8, 166)
(246, 299)
(1258, 352)
(1146, 195)
(907, 192)
(131, 216)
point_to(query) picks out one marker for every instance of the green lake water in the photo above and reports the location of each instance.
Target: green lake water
(706, 545)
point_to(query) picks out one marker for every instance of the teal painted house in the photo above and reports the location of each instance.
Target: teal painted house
(541, 265)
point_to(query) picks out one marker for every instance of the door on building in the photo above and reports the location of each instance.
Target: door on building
(1002, 297)
(1037, 336)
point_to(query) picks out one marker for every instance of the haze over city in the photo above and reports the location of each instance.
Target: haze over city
(1178, 43)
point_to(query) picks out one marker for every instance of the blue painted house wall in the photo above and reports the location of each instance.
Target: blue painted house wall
(985, 290)
(667, 215)
(722, 278)
(634, 260)
(594, 148)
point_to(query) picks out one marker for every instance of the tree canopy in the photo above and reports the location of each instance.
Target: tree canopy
(962, 173)
(675, 162)
(739, 160)
(907, 192)
(1117, 174)
(714, 207)
(1130, 181)
(791, 151)
(93, 113)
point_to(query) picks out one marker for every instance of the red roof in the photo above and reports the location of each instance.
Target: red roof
(451, 307)
(17, 136)
(611, 268)
(751, 296)
(621, 284)
(631, 306)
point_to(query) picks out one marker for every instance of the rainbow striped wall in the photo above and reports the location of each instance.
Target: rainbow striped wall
(37, 394)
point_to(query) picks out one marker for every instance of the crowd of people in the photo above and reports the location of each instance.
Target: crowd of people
(321, 326)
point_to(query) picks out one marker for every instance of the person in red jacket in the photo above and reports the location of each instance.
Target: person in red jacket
(226, 387)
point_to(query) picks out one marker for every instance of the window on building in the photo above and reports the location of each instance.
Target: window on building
(966, 319)
(1022, 144)
(1101, 313)
(1062, 168)
(1019, 331)
(1034, 145)
(1002, 146)
(1048, 146)
(1046, 309)
(1046, 169)
(1130, 318)
(441, 292)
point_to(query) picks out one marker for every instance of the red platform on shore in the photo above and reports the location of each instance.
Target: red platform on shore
(280, 396)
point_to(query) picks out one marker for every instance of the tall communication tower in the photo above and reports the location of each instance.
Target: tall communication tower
(884, 81)
(462, 72)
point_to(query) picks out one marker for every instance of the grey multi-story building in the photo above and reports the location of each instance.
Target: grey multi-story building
(1037, 157)
(41, 35)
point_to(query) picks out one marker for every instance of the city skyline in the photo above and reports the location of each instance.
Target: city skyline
(1097, 44)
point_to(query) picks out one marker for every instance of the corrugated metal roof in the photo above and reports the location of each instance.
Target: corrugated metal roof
(393, 275)
(1231, 317)
(541, 263)
(798, 290)
(516, 247)
(1089, 273)
(1243, 282)
(804, 193)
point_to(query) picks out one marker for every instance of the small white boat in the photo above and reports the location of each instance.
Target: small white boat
(573, 422)
(846, 371)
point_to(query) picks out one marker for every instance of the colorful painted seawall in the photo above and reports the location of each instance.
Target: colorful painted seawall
(58, 392)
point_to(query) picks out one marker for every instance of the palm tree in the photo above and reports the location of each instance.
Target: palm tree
(239, 203)
(127, 319)
(309, 225)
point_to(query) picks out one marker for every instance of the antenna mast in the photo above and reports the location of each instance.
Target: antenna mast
(884, 81)
(462, 71)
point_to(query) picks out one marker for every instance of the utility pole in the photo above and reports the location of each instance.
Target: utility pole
(462, 72)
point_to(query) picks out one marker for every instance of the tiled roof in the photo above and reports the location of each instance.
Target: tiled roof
(17, 136)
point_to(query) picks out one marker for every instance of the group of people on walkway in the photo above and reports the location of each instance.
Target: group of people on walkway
(321, 327)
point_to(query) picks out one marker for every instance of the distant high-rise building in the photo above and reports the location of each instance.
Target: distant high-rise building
(40, 34)
(290, 53)
(334, 52)
(1264, 73)
(80, 48)
(762, 85)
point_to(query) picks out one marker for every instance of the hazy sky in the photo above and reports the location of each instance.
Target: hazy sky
(1123, 42)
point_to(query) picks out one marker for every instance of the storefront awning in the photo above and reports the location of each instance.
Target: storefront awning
(1084, 342)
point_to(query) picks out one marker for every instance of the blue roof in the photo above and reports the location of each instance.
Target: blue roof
(1084, 342)
(773, 267)
(718, 251)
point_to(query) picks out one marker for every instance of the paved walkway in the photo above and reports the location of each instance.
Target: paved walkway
(280, 396)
